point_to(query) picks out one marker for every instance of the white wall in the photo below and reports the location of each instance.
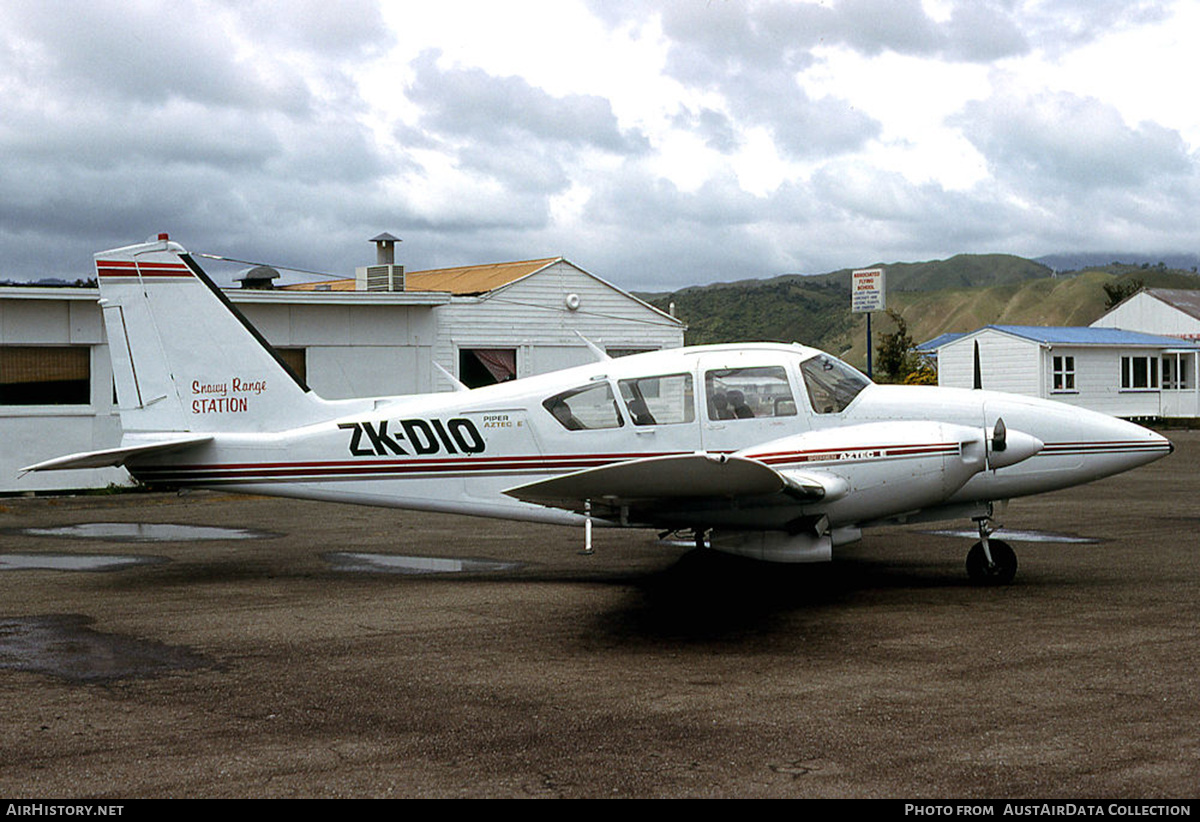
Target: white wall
(32, 433)
(1009, 363)
(353, 348)
(531, 316)
(1098, 382)
(1021, 366)
(1150, 315)
(351, 351)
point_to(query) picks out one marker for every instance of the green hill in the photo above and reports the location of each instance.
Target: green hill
(958, 294)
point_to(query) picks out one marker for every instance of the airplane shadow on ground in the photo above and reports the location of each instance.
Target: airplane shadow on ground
(708, 595)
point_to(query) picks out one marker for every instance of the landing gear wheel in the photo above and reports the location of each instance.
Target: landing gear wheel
(1000, 571)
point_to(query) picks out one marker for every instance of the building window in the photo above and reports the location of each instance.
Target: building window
(1139, 373)
(1064, 373)
(486, 366)
(296, 360)
(1177, 371)
(32, 375)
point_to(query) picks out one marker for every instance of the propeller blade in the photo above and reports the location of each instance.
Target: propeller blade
(978, 370)
(999, 436)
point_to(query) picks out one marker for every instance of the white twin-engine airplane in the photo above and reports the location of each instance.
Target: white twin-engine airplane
(777, 452)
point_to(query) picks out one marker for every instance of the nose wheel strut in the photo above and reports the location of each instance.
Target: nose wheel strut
(990, 561)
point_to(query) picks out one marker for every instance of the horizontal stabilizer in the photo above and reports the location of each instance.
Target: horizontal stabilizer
(656, 478)
(117, 456)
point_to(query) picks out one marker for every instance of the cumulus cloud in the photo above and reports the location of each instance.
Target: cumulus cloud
(757, 139)
(1059, 140)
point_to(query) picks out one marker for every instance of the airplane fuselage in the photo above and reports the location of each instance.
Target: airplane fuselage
(898, 450)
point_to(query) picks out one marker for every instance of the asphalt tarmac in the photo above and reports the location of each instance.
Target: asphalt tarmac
(292, 653)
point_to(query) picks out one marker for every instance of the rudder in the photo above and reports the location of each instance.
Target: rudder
(184, 357)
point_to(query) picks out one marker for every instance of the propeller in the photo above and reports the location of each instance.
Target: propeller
(978, 369)
(1006, 447)
(999, 436)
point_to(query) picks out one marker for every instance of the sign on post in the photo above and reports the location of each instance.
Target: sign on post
(867, 294)
(867, 291)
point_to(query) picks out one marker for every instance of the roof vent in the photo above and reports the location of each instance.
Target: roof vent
(258, 278)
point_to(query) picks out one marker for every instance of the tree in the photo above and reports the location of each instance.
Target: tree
(1119, 291)
(896, 357)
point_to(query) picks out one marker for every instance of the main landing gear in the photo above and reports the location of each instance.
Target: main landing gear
(990, 561)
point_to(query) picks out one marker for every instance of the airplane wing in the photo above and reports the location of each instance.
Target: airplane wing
(117, 456)
(653, 487)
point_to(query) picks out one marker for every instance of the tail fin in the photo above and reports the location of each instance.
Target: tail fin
(184, 357)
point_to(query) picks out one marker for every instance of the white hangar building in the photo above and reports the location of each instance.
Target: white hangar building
(1171, 311)
(1113, 370)
(380, 333)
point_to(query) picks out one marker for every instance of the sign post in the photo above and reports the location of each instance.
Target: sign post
(868, 293)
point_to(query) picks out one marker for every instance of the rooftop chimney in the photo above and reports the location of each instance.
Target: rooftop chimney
(385, 249)
(385, 275)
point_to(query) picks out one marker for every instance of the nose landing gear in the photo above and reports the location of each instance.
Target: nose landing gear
(990, 561)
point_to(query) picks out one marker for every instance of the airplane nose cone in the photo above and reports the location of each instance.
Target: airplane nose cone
(1114, 445)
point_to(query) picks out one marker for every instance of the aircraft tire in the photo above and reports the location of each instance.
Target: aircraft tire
(1003, 568)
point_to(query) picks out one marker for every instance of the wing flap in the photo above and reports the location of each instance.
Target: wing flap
(672, 477)
(109, 457)
(660, 489)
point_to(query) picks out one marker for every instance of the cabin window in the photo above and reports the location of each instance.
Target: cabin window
(748, 393)
(832, 385)
(1064, 373)
(1139, 373)
(659, 400)
(50, 375)
(589, 407)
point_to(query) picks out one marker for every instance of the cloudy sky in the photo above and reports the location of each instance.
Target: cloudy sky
(657, 144)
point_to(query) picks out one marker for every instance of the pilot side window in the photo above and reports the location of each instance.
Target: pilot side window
(832, 385)
(659, 400)
(748, 393)
(579, 409)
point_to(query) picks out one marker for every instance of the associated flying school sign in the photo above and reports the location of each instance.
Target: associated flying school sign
(867, 291)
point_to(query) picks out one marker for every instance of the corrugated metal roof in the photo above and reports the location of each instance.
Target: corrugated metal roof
(473, 279)
(1186, 300)
(1087, 335)
(464, 280)
(940, 340)
(1067, 335)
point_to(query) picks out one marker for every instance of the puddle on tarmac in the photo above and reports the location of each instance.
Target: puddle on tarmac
(1015, 535)
(63, 645)
(141, 532)
(394, 564)
(73, 562)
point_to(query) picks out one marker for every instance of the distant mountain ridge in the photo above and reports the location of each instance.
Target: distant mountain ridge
(1085, 260)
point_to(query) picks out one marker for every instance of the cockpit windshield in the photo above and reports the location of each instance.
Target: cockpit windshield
(832, 385)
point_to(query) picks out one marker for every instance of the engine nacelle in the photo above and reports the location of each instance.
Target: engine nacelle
(774, 546)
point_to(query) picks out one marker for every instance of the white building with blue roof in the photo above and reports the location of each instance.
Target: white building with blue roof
(1119, 372)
